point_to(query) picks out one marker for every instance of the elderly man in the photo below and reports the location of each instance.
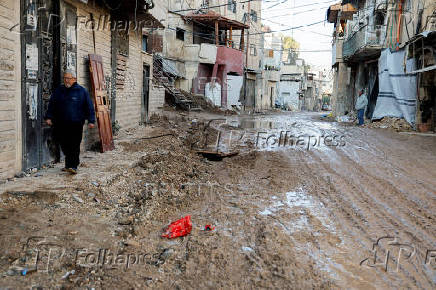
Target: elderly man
(361, 104)
(69, 107)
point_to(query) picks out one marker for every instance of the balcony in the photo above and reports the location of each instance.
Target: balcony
(232, 58)
(202, 53)
(366, 42)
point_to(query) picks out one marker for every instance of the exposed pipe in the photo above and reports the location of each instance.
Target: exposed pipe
(400, 14)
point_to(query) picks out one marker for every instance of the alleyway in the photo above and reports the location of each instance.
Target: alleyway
(285, 215)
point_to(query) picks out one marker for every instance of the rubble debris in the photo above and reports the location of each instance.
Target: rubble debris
(68, 274)
(179, 228)
(77, 198)
(209, 228)
(349, 117)
(158, 136)
(28, 270)
(343, 119)
(126, 221)
(132, 243)
(216, 155)
(398, 124)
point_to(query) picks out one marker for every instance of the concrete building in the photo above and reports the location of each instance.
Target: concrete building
(41, 41)
(339, 14)
(292, 82)
(213, 49)
(386, 48)
(273, 50)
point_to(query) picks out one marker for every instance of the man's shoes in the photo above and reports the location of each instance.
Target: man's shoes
(64, 169)
(72, 171)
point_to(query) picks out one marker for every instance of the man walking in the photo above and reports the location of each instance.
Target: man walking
(361, 104)
(69, 107)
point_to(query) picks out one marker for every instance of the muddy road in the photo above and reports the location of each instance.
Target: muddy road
(307, 203)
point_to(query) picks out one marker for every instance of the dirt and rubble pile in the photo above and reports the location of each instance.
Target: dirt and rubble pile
(161, 179)
(397, 124)
(205, 104)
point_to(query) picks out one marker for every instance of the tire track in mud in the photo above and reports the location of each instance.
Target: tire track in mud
(339, 214)
(362, 201)
(380, 143)
(388, 191)
(274, 256)
(358, 238)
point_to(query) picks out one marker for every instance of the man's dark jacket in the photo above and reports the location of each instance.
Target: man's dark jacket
(70, 105)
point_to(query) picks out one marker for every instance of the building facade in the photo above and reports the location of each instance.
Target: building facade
(43, 39)
(212, 48)
(387, 49)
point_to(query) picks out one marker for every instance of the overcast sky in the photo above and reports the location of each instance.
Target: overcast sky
(281, 14)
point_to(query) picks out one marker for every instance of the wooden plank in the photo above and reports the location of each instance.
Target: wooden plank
(102, 111)
(217, 153)
(216, 33)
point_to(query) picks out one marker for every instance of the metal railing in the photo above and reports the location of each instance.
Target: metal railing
(366, 37)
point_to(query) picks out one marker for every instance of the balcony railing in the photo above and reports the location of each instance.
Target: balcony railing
(366, 39)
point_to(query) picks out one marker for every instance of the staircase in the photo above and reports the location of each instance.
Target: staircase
(161, 78)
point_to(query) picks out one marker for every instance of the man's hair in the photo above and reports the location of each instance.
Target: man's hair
(71, 72)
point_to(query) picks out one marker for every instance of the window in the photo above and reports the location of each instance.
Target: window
(253, 50)
(231, 5)
(253, 16)
(180, 34)
(145, 43)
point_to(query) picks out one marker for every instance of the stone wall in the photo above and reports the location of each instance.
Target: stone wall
(10, 89)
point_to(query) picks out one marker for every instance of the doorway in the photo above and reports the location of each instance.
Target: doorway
(145, 94)
(40, 74)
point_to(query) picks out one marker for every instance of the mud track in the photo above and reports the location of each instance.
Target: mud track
(285, 216)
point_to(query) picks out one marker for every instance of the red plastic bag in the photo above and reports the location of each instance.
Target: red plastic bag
(179, 228)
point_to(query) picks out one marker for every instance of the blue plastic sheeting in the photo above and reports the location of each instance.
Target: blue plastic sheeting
(397, 93)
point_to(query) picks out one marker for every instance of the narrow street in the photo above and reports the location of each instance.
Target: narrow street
(287, 214)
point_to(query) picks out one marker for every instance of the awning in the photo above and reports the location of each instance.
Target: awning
(170, 67)
(130, 5)
(347, 11)
(344, 11)
(127, 7)
(211, 17)
(332, 13)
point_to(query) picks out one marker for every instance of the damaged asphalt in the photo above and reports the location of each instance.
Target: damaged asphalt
(305, 203)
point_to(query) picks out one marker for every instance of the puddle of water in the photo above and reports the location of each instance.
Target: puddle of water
(266, 212)
(273, 208)
(298, 198)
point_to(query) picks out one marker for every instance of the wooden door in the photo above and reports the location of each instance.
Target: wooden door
(101, 103)
(250, 93)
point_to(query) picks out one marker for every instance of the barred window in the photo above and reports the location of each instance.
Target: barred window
(253, 16)
(231, 5)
